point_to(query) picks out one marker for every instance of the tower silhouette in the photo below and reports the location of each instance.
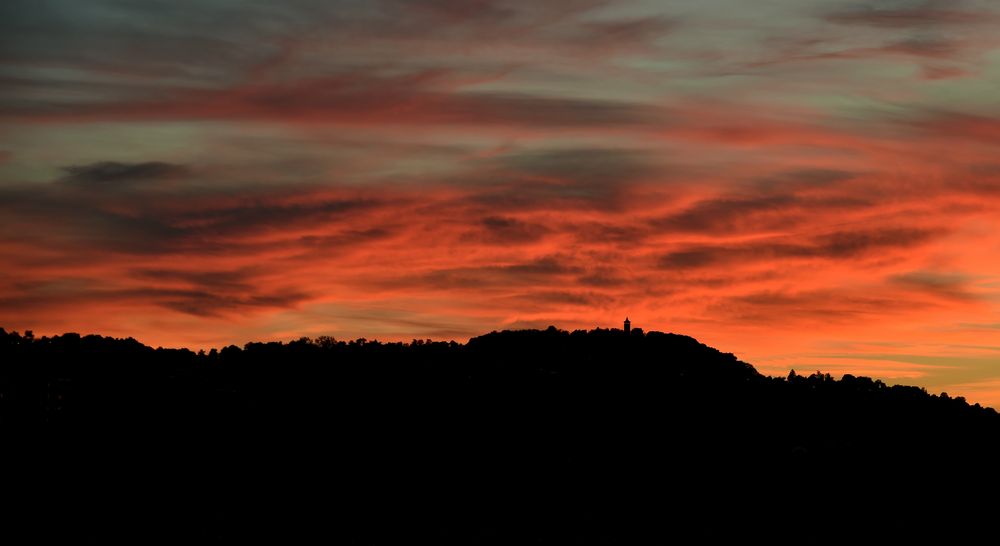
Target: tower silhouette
(628, 325)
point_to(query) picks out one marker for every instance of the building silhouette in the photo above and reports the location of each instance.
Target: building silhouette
(628, 325)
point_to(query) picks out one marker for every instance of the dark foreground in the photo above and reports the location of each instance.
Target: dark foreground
(531, 437)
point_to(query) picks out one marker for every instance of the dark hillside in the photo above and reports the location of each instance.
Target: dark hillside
(536, 437)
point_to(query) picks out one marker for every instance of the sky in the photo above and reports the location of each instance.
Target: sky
(809, 184)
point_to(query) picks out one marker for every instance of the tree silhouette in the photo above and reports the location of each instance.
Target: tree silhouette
(539, 436)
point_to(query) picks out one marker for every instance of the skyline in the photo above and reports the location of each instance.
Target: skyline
(807, 184)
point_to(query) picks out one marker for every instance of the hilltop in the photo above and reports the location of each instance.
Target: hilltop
(518, 436)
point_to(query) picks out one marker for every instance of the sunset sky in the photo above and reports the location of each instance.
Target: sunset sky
(809, 184)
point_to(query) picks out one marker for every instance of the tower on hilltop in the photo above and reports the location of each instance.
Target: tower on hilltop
(628, 325)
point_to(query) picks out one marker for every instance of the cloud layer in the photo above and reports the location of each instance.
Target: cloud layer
(808, 184)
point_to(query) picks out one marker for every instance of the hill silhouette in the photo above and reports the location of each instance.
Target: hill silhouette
(539, 437)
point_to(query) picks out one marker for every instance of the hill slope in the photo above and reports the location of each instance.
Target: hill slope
(526, 436)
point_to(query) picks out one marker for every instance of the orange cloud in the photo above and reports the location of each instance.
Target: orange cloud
(808, 199)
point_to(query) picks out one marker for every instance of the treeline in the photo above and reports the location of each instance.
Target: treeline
(518, 436)
(52, 379)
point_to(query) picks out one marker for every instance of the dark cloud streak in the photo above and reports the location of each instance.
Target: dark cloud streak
(841, 245)
(757, 212)
(113, 172)
(134, 213)
(921, 15)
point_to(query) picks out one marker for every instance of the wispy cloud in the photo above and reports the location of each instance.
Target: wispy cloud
(772, 180)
